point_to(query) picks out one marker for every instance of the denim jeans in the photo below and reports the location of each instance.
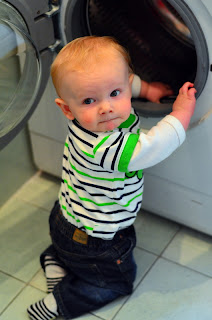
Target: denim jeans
(97, 272)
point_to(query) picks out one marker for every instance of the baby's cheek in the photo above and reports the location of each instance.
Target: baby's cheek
(87, 119)
(126, 109)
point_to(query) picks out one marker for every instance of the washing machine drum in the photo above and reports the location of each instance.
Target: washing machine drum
(157, 36)
(159, 49)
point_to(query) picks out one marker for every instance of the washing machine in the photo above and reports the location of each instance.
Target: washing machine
(168, 40)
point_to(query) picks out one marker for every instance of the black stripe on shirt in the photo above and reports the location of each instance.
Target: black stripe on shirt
(85, 130)
(116, 153)
(105, 232)
(80, 139)
(108, 148)
(103, 195)
(107, 188)
(91, 185)
(135, 123)
(103, 221)
(96, 210)
(82, 165)
(71, 142)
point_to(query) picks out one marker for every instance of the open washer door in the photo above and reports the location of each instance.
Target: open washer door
(26, 34)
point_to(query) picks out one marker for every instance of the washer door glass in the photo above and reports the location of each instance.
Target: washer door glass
(20, 69)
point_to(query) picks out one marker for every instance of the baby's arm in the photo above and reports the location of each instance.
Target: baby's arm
(184, 105)
(169, 133)
(152, 91)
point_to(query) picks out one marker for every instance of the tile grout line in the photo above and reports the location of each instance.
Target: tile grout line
(180, 228)
(34, 205)
(148, 270)
(186, 267)
(13, 277)
(38, 173)
(177, 263)
(98, 317)
(166, 246)
(14, 195)
(13, 299)
(22, 282)
(164, 258)
(26, 284)
(145, 274)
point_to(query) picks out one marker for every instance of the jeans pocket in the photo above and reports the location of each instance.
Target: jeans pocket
(125, 260)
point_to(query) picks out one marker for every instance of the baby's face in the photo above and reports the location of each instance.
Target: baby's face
(100, 100)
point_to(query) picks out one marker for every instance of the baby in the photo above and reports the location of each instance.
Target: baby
(90, 261)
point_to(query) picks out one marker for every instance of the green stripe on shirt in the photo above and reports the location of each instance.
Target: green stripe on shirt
(101, 204)
(96, 148)
(127, 152)
(128, 122)
(97, 178)
(77, 220)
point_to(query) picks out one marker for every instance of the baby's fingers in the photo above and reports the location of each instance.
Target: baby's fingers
(191, 92)
(184, 89)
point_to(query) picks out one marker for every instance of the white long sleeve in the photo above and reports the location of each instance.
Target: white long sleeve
(157, 144)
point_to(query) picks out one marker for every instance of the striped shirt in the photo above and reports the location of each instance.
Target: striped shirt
(102, 180)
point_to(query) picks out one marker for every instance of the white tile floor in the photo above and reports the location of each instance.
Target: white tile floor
(174, 263)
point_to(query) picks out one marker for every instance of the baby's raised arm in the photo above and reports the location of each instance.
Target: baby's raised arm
(184, 105)
(169, 133)
(154, 91)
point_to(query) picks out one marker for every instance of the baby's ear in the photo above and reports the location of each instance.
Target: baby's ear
(65, 108)
(131, 76)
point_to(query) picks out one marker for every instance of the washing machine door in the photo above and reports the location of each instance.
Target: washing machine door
(24, 62)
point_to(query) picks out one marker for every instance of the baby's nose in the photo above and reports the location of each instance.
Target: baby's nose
(105, 107)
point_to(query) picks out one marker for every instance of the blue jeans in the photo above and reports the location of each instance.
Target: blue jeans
(97, 272)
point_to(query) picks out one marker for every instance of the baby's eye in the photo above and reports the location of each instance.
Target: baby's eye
(88, 101)
(115, 93)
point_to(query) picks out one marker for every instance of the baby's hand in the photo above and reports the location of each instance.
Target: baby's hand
(184, 105)
(157, 90)
(186, 99)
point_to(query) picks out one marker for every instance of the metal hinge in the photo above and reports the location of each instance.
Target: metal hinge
(54, 10)
(54, 46)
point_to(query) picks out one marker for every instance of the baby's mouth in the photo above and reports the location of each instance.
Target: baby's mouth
(107, 120)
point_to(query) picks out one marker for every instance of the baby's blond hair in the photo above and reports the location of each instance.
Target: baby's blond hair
(81, 53)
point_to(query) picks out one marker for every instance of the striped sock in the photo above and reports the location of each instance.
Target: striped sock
(54, 272)
(45, 309)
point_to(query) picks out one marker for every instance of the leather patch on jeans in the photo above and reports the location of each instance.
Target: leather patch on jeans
(80, 236)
